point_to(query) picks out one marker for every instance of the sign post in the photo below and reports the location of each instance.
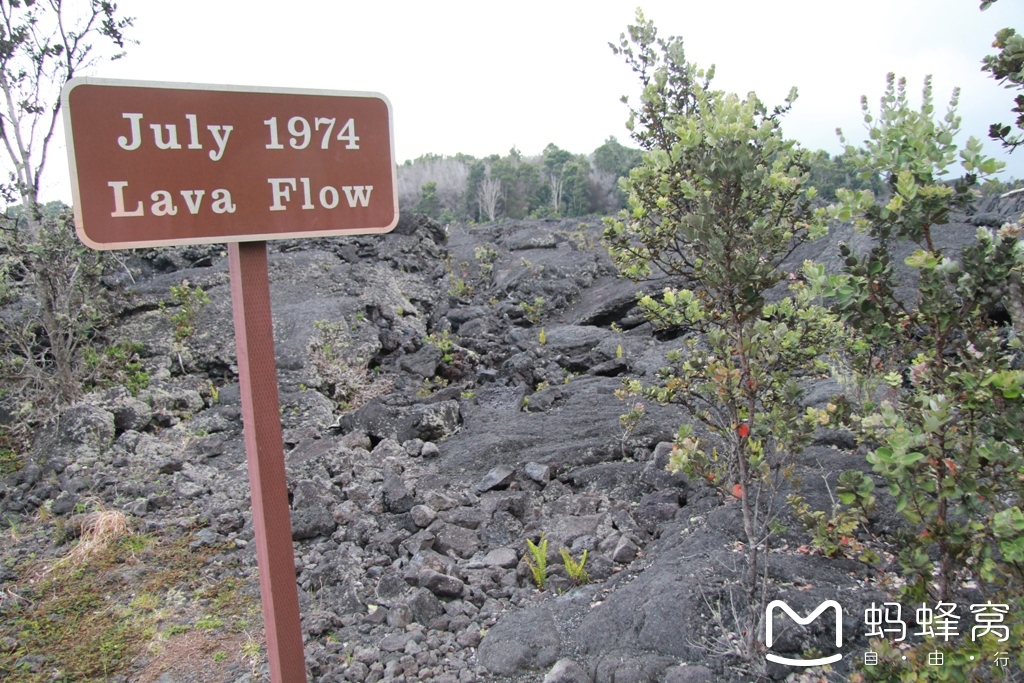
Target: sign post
(261, 417)
(155, 164)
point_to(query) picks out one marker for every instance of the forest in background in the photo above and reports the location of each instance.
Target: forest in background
(466, 189)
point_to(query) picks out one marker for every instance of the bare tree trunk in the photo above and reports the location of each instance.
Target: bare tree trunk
(487, 197)
(557, 183)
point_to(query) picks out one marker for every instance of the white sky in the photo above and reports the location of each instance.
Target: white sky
(479, 77)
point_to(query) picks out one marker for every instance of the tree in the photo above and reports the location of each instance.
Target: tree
(555, 160)
(488, 195)
(612, 161)
(450, 177)
(576, 193)
(615, 158)
(43, 44)
(1007, 67)
(945, 430)
(429, 204)
(720, 200)
(829, 174)
(519, 182)
(470, 205)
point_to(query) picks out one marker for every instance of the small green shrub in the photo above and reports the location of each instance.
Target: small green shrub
(461, 285)
(575, 569)
(720, 201)
(64, 304)
(113, 365)
(443, 342)
(460, 289)
(538, 560)
(534, 311)
(431, 385)
(485, 256)
(947, 438)
(534, 270)
(832, 534)
(583, 238)
(190, 301)
(630, 420)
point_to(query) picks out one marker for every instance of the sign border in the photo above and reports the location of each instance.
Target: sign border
(107, 246)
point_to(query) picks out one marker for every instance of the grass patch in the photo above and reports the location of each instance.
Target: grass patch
(10, 462)
(90, 614)
(226, 599)
(209, 623)
(145, 601)
(71, 620)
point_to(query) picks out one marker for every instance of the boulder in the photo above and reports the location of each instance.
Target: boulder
(522, 641)
(689, 673)
(457, 539)
(441, 585)
(397, 498)
(502, 557)
(422, 515)
(498, 478)
(538, 472)
(311, 511)
(423, 363)
(567, 671)
(425, 606)
(81, 432)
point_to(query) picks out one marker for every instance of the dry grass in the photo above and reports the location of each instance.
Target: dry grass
(346, 380)
(197, 656)
(100, 529)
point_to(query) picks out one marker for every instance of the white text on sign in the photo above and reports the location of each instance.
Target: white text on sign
(282, 188)
(163, 202)
(301, 133)
(220, 135)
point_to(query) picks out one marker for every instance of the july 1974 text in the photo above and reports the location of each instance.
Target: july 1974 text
(300, 133)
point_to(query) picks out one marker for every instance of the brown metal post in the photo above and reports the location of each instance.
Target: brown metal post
(257, 377)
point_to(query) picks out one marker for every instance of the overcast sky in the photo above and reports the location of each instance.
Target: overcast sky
(480, 77)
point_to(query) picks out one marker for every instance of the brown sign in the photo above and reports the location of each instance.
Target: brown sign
(165, 163)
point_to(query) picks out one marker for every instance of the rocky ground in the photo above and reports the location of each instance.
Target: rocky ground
(466, 404)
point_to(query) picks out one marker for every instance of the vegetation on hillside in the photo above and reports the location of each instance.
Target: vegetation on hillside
(719, 201)
(716, 198)
(44, 359)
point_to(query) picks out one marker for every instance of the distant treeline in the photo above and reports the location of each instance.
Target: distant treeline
(558, 182)
(466, 189)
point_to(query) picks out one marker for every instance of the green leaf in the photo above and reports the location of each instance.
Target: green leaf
(908, 459)
(921, 259)
(1008, 523)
